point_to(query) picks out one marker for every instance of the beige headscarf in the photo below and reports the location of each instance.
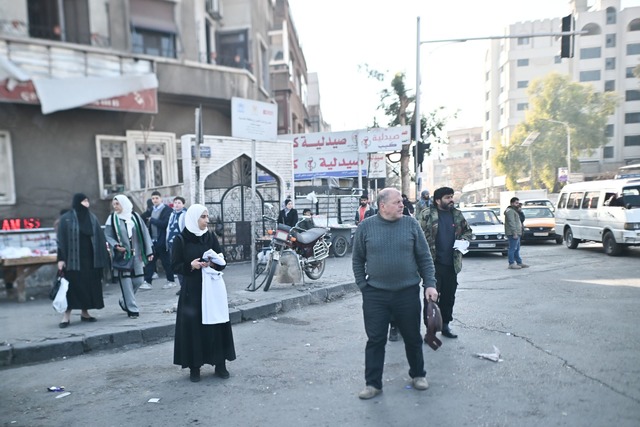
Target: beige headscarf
(127, 212)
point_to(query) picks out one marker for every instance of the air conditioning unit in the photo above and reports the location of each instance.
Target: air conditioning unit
(214, 8)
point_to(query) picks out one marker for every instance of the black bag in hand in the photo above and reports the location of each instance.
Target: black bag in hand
(56, 285)
(122, 260)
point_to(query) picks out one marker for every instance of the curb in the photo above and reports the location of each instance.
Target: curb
(29, 353)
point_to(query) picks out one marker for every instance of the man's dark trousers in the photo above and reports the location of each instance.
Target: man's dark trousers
(378, 305)
(447, 284)
(159, 251)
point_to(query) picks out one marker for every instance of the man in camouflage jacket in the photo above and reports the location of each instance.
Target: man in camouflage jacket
(443, 225)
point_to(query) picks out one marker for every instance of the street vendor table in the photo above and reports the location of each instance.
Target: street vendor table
(24, 267)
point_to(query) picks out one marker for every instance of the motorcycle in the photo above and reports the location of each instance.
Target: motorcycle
(310, 247)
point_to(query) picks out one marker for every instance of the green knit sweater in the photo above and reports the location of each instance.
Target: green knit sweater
(391, 255)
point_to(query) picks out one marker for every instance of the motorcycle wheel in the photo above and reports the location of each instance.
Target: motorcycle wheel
(270, 272)
(314, 271)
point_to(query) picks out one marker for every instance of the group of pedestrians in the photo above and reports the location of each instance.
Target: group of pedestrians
(178, 238)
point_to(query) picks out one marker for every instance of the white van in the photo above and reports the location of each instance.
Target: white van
(600, 211)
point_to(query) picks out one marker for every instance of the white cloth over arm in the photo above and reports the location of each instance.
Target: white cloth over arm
(215, 308)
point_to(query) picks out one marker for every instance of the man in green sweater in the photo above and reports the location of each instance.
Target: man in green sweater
(390, 257)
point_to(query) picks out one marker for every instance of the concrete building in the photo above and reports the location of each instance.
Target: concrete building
(95, 96)
(605, 58)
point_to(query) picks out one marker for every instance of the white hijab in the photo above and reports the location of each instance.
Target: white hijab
(191, 219)
(127, 210)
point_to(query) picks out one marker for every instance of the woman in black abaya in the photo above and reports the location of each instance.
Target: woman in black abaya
(82, 254)
(197, 344)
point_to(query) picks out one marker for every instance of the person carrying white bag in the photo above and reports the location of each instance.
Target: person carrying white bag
(203, 330)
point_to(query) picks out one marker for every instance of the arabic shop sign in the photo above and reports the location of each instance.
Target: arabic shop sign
(323, 141)
(383, 140)
(332, 164)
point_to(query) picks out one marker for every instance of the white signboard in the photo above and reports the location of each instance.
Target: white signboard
(383, 140)
(254, 119)
(377, 165)
(323, 141)
(332, 164)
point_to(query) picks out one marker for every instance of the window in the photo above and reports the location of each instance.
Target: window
(7, 183)
(610, 64)
(523, 62)
(486, 135)
(608, 131)
(486, 115)
(523, 106)
(629, 73)
(607, 152)
(46, 22)
(562, 203)
(590, 200)
(486, 96)
(611, 15)
(157, 161)
(632, 95)
(590, 53)
(631, 118)
(153, 28)
(633, 49)
(574, 201)
(610, 40)
(264, 67)
(632, 140)
(609, 85)
(523, 41)
(233, 49)
(634, 25)
(589, 76)
(523, 84)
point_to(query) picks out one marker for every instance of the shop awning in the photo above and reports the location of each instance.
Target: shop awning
(122, 93)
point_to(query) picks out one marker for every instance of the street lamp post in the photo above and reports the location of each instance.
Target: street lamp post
(566, 125)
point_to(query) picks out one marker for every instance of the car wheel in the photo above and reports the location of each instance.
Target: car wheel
(558, 240)
(569, 241)
(610, 246)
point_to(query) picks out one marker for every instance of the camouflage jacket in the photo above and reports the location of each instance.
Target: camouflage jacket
(429, 223)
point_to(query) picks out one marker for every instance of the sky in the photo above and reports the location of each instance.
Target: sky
(339, 37)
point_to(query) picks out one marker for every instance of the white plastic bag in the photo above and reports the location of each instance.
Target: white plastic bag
(215, 306)
(60, 302)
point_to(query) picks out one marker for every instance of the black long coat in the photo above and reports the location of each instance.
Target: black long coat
(197, 344)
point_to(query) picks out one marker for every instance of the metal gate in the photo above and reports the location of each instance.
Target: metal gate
(227, 194)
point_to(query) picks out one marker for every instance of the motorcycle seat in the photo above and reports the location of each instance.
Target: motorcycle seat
(311, 235)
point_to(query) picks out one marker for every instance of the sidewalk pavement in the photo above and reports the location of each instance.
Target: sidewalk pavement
(30, 331)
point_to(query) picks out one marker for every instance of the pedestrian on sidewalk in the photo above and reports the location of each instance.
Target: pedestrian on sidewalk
(443, 225)
(197, 344)
(175, 227)
(390, 257)
(82, 255)
(158, 222)
(125, 232)
(513, 228)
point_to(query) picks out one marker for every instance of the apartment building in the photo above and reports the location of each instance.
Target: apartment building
(604, 57)
(96, 94)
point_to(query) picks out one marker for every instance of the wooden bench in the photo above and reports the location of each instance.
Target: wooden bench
(24, 267)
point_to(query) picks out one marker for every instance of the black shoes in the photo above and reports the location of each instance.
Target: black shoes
(221, 371)
(447, 332)
(194, 374)
(393, 334)
(133, 315)
(88, 319)
(63, 325)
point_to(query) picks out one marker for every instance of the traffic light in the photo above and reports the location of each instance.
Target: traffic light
(566, 42)
(421, 147)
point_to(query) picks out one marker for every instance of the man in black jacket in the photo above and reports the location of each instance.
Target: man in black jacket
(158, 221)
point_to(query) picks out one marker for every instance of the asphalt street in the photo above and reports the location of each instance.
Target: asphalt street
(566, 329)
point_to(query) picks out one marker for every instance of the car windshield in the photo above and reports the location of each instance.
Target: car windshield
(631, 196)
(537, 213)
(484, 217)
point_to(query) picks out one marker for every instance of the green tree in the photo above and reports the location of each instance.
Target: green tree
(555, 97)
(396, 103)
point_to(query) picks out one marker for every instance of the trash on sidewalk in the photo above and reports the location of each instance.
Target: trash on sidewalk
(494, 357)
(65, 394)
(55, 388)
(154, 400)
